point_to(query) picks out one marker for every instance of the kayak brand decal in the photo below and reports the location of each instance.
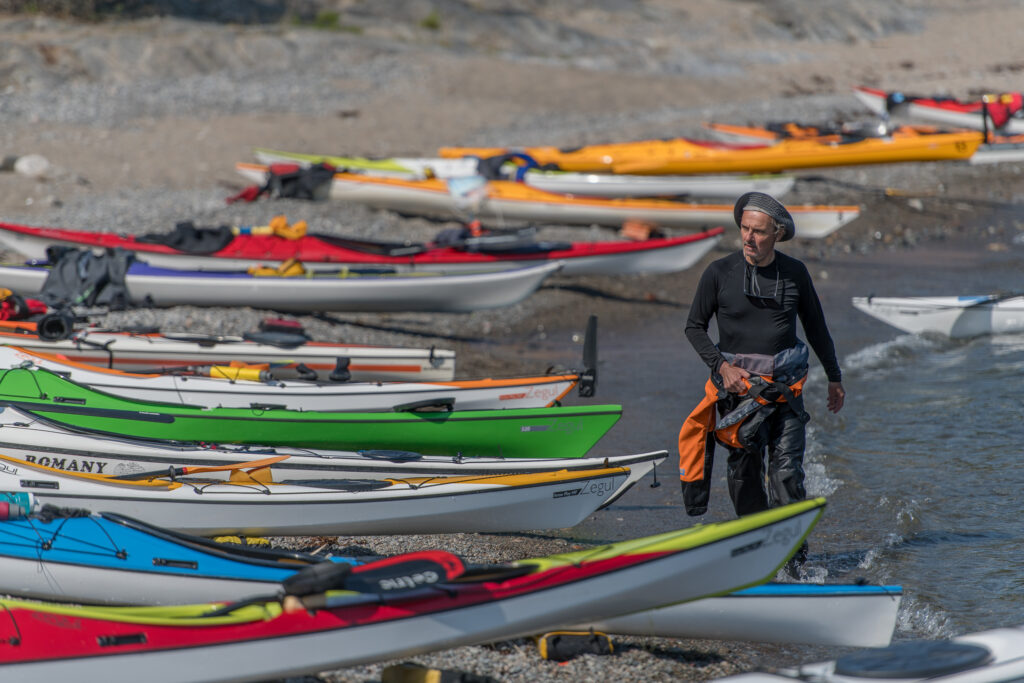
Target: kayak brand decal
(68, 464)
(563, 426)
(749, 547)
(600, 489)
(58, 620)
(409, 581)
(786, 535)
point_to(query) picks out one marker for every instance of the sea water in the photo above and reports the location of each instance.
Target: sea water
(924, 465)
(923, 469)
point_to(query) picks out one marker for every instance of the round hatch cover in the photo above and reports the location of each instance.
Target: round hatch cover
(917, 659)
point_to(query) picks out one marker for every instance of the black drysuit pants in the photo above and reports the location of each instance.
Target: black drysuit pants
(757, 482)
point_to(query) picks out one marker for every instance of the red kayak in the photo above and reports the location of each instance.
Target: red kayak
(319, 252)
(1004, 112)
(332, 615)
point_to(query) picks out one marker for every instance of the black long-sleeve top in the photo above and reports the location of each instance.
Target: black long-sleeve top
(751, 325)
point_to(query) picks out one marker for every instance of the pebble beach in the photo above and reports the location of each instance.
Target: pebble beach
(142, 118)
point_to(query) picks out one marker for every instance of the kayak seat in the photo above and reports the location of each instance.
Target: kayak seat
(394, 456)
(284, 340)
(377, 247)
(189, 239)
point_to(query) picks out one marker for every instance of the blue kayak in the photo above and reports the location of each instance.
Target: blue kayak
(113, 559)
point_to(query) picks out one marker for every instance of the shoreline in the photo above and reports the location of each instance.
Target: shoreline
(143, 121)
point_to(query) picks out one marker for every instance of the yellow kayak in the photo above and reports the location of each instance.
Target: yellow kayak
(684, 156)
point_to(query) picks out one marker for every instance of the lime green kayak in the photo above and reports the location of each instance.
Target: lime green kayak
(567, 432)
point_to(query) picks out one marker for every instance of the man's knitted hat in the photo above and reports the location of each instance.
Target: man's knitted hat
(766, 204)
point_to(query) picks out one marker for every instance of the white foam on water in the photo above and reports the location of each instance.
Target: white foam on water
(921, 620)
(817, 480)
(884, 355)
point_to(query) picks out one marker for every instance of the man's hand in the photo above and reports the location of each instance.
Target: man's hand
(732, 377)
(836, 396)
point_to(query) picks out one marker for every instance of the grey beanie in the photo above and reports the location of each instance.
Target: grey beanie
(768, 205)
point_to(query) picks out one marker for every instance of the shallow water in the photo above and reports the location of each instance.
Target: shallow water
(921, 468)
(928, 451)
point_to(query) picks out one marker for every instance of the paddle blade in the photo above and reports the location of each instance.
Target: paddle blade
(588, 378)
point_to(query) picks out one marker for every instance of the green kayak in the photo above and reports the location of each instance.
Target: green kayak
(567, 432)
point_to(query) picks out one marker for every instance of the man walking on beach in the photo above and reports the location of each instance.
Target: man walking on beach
(758, 366)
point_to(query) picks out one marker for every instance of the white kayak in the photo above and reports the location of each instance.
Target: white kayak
(958, 317)
(998, 153)
(609, 185)
(41, 442)
(248, 505)
(925, 109)
(155, 351)
(320, 291)
(848, 615)
(499, 201)
(995, 656)
(224, 389)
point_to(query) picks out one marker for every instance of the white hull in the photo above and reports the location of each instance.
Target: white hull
(956, 317)
(609, 185)
(218, 508)
(999, 153)
(876, 103)
(44, 580)
(373, 293)
(49, 445)
(1005, 664)
(141, 352)
(848, 620)
(300, 395)
(811, 223)
(715, 568)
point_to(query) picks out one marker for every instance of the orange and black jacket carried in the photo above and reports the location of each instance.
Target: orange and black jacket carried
(738, 427)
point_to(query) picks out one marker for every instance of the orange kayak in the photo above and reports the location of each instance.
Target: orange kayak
(685, 156)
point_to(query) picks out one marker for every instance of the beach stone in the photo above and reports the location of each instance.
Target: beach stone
(32, 165)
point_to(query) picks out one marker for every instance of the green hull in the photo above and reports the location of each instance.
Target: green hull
(567, 432)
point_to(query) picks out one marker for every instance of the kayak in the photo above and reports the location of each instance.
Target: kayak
(681, 155)
(247, 504)
(1000, 149)
(1003, 111)
(107, 558)
(125, 350)
(567, 432)
(227, 387)
(341, 290)
(959, 317)
(847, 615)
(499, 201)
(397, 607)
(793, 130)
(996, 148)
(609, 185)
(994, 656)
(42, 442)
(328, 252)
